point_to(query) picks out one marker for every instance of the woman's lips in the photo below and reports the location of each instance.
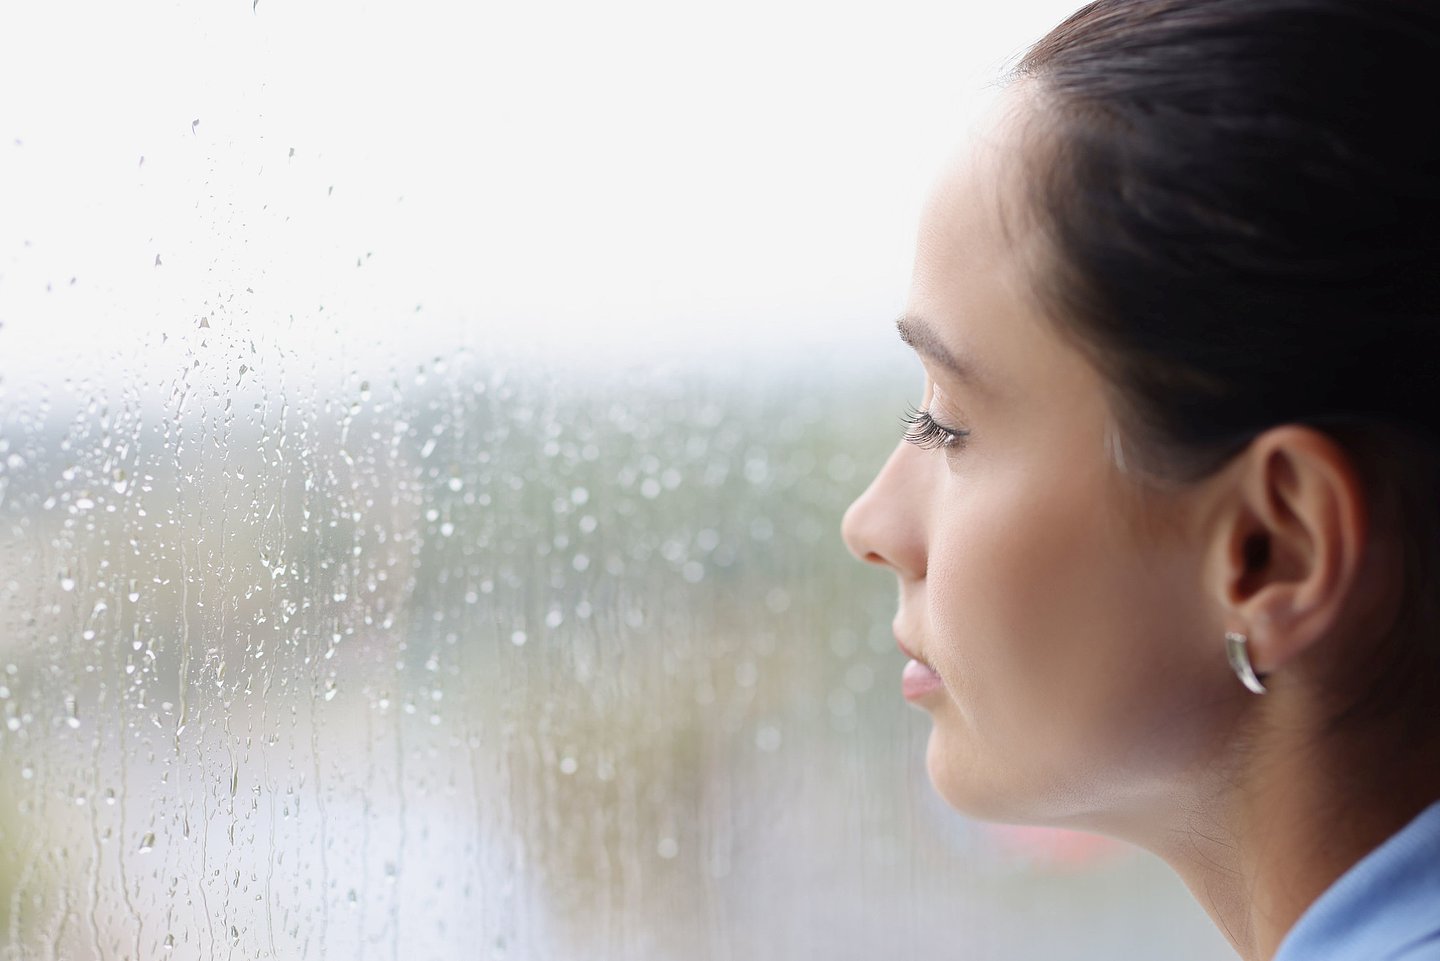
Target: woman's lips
(919, 681)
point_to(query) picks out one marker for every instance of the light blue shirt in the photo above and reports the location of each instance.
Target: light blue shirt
(1385, 908)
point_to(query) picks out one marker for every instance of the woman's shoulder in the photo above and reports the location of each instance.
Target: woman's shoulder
(1385, 908)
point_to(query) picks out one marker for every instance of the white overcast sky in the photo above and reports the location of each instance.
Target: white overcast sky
(631, 174)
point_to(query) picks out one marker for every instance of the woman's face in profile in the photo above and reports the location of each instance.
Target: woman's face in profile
(1078, 672)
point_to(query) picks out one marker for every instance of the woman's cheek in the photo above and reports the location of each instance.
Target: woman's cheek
(972, 604)
(1019, 588)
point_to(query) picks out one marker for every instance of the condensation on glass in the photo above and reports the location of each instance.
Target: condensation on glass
(440, 656)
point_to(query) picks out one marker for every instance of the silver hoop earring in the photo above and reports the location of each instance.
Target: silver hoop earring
(1237, 647)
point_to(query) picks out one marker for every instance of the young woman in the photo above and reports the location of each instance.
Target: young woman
(1166, 520)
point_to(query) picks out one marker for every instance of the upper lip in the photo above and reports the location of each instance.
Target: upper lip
(908, 652)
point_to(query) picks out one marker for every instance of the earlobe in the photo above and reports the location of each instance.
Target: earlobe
(1289, 542)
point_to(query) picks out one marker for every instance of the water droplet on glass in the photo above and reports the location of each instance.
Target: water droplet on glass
(146, 844)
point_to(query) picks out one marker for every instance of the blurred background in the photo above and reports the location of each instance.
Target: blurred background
(424, 431)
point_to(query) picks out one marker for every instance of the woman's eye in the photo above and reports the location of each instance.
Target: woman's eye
(924, 432)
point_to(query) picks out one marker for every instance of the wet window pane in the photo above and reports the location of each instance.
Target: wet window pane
(423, 438)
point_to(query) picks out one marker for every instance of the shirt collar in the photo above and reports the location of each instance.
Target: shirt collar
(1389, 900)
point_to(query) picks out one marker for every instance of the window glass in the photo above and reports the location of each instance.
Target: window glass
(423, 439)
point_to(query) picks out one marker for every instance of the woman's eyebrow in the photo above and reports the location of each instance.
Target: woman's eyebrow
(921, 337)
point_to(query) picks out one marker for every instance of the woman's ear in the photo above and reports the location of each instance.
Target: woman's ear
(1287, 544)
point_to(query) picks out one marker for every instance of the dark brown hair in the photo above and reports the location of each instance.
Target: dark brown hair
(1242, 199)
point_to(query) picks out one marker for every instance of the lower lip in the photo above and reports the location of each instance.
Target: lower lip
(919, 682)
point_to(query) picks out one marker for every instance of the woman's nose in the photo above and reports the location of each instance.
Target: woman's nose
(885, 524)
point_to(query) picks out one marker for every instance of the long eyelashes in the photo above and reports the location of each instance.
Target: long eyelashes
(922, 431)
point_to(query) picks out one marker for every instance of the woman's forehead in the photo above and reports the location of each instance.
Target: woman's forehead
(979, 257)
(975, 204)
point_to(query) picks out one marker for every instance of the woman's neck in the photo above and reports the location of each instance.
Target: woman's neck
(1258, 847)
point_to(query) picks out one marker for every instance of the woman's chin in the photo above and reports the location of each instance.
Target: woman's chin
(977, 787)
(965, 782)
